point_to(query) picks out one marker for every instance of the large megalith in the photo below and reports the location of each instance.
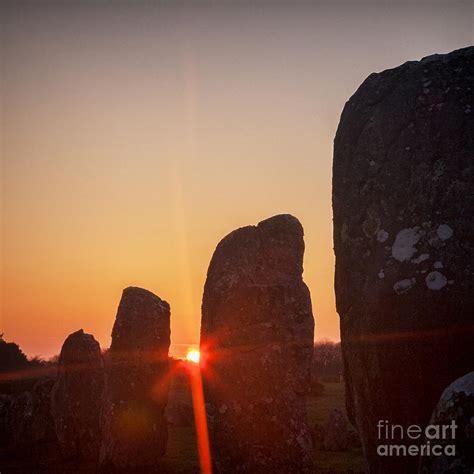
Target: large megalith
(133, 412)
(256, 345)
(403, 201)
(76, 395)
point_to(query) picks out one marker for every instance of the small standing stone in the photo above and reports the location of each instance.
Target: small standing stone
(336, 434)
(76, 396)
(26, 424)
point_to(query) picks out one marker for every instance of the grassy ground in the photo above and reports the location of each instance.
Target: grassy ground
(335, 462)
(182, 454)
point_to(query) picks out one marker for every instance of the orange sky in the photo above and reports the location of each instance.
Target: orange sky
(134, 138)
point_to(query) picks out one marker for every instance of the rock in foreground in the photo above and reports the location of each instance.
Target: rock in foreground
(456, 404)
(134, 426)
(256, 343)
(403, 203)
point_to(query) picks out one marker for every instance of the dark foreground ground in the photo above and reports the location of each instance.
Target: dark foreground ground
(182, 454)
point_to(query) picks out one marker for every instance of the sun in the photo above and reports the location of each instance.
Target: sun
(193, 356)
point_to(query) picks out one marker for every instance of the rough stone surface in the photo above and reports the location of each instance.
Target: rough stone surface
(456, 403)
(76, 396)
(317, 436)
(5, 402)
(26, 421)
(134, 425)
(336, 434)
(256, 348)
(42, 426)
(16, 411)
(403, 200)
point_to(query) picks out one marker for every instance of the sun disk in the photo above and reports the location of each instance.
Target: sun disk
(193, 356)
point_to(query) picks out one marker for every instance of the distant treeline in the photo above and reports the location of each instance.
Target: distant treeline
(327, 359)
(12, 358)
(14, 361)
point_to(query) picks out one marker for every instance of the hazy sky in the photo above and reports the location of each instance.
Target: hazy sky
(134, 137)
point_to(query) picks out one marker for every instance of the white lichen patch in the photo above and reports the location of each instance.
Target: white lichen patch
(404, 246)
(421, 258)
(382, 235)
(403, 286)
(381, 274)
(444, 232)
(436, 280)
(438, 265)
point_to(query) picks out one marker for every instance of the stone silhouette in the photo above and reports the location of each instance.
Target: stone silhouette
(403, 177)
(336, 435)
(16, 417)
(42, 425)
(26, 423)
(456, 404)
(256, 345)
(134, 424)
(76, 395)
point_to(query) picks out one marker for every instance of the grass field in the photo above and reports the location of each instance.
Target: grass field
(318, 411)
(182, 454)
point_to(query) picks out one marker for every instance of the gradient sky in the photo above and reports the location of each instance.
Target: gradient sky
(133, 138)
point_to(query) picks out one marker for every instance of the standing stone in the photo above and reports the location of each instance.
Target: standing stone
(134, 425)
(336, 436)
(16, 412)
(42, 428)
(256, 343)
(6, 436)
(457, 455)
(76, 396)
(26, 424)
(403, 203)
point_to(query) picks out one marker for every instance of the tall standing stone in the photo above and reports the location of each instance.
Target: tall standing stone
(76, 395)
(403, 202)
(134, 425)
(257, 341)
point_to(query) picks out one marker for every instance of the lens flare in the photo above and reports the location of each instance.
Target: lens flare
(194, 373)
